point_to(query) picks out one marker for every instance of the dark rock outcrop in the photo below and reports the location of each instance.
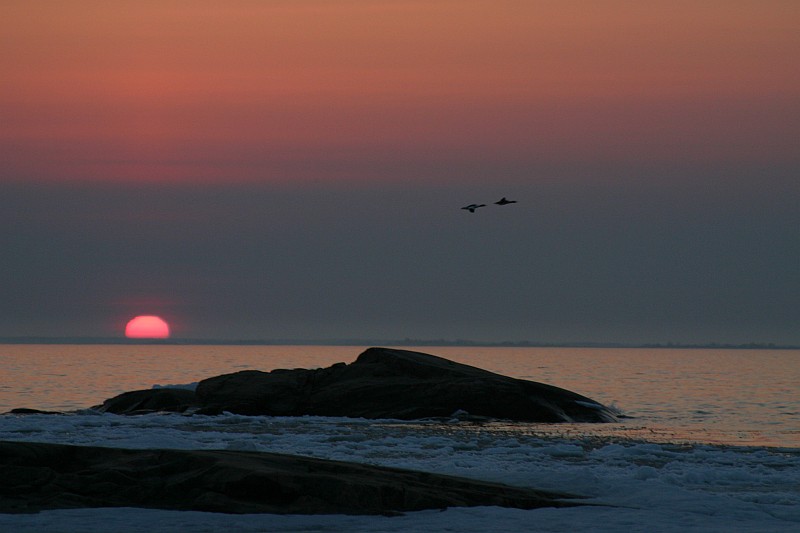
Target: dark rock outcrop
(150, 401)
(39, 476)
(28, 411)
(381, 383)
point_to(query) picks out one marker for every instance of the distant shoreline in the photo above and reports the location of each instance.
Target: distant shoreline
(387, 342)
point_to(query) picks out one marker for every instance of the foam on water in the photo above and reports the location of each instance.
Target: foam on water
(739, 397)
(711, 443)
(636, 485)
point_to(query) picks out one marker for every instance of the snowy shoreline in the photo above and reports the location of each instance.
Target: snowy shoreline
(45, 476)
(662, 487)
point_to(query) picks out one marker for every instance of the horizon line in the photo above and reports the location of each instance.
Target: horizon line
(35, 339)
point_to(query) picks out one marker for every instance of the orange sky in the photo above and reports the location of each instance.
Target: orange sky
(297, 168)
(245, 90)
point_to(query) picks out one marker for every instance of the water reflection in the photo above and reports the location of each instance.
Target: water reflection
(744, 397)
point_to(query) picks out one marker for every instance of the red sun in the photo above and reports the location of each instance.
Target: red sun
(147, 327)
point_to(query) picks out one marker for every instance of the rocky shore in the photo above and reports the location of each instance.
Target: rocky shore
(381, 383)
(39, 476)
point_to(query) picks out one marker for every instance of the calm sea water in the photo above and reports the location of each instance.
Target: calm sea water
(738, 397)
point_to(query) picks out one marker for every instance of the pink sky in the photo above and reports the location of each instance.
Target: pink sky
(296, 168)
(287, 90)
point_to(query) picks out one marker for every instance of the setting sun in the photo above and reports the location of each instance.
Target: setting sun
(147, 327)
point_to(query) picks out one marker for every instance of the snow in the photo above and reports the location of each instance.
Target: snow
(633, 485)
(187, 386)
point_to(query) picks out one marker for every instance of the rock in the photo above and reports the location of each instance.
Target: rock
(400, 384)
(381, 383)
(27, 411)
(149, 401)
(39, 476)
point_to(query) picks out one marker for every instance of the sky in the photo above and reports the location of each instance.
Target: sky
(296, 169)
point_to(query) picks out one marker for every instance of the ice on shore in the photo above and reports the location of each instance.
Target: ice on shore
(637, 486)
(187, 386)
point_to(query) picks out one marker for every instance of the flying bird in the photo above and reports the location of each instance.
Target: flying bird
(503, 201)
(472, 207)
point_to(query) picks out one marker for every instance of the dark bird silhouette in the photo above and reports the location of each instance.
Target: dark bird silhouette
(472, 207)
(503, 201)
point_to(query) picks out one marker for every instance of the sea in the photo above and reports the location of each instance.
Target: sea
(707, 440)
